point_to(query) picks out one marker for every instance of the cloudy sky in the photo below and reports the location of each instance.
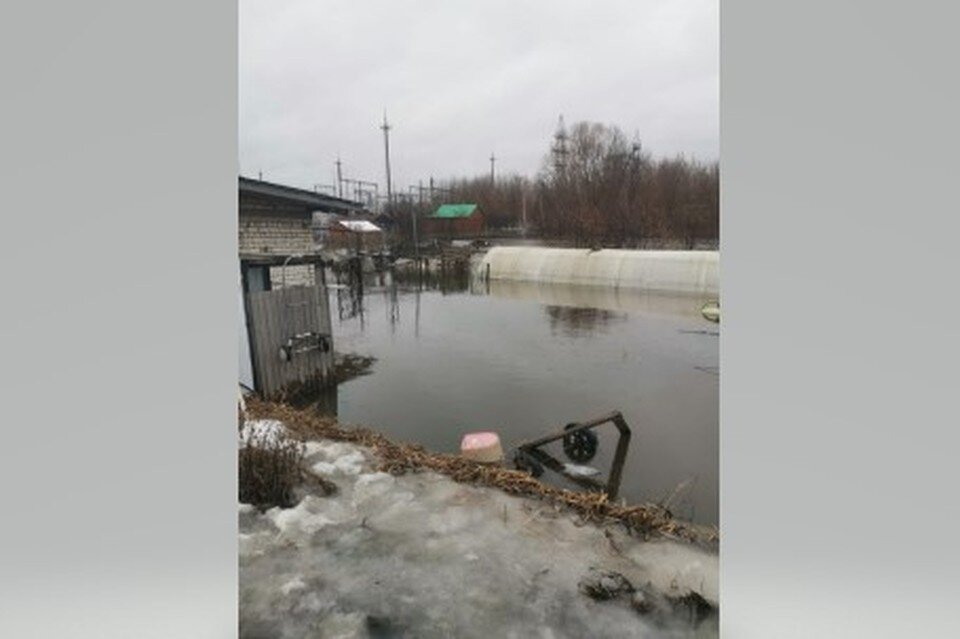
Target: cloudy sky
(460, 80)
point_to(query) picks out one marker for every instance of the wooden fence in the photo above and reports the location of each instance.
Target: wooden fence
(275, 318)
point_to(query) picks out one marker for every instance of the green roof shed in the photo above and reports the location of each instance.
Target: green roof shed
(452, 211)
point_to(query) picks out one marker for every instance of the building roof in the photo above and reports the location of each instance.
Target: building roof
(449, 211)
(359, 226)
(294, 197)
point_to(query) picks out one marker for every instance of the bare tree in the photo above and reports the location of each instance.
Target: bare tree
(597, 187)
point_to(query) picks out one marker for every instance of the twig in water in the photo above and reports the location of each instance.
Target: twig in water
(681, 488)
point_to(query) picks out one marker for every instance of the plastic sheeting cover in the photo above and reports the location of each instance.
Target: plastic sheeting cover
(695, 272)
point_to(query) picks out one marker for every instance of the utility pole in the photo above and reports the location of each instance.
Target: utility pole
(493, 160)
(339, 179)
(523, 218)
(386, 151)
(414, 211)
(415, 214)
(431, 190)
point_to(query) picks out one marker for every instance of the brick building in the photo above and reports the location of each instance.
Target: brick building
(354, 235)
(455, 221)
(275, 219)
(286, 337)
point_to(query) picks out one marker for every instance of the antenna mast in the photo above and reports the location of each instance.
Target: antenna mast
(560, 148)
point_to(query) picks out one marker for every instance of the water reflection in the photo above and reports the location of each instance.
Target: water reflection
(350, 303)
(449, 282)
(600, 297)
(349, 279)
(393, 305)
(351, 286)
(324, 400)
(327, 401)
(455, 355)
(575, 321)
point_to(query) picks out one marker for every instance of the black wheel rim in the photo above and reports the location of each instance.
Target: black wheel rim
(580, 446)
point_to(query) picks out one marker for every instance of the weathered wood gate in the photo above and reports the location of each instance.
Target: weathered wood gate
(291, 339)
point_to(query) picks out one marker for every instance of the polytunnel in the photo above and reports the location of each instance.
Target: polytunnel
(693, 272)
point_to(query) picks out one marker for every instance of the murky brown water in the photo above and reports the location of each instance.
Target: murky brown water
(524, 360)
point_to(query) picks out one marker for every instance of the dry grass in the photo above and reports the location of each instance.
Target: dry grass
(644, 519)
(270, 471)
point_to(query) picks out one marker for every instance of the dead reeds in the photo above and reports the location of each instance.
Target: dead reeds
(270, 470)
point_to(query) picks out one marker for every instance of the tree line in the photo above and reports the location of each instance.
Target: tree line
(597, 187)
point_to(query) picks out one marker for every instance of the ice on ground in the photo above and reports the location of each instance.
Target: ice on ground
(253, 544)
(334, 458)
(580, 471)
(296, 583)
(330, 451)
(371, 485)
(422, 556)
(346, 465)
(678, 566)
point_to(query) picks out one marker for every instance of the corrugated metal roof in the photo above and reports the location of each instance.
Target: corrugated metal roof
(448, 211)
(294, 196)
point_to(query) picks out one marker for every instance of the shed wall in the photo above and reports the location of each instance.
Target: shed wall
(471, 226)
(280, 235)
(275, 316)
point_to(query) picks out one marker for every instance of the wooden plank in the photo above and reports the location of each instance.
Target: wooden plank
(263, 331)
(265, 337)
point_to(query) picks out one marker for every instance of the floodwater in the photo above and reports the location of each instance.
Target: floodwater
(525, 359)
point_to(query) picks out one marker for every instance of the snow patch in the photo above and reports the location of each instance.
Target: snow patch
(254, 544)
(675, 567)
(328, 451)
(339, 625)
(346, 464)
(324, 468)
(268, 431)
(422, 556)
(371, 485)
(312, 448)
(301, 520)
(297, 583)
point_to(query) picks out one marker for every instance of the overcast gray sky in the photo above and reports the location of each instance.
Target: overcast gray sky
(460, 80)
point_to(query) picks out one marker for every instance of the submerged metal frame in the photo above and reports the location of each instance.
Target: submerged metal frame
(612, 485)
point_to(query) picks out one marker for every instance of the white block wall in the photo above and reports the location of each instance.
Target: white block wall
(265, 234)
